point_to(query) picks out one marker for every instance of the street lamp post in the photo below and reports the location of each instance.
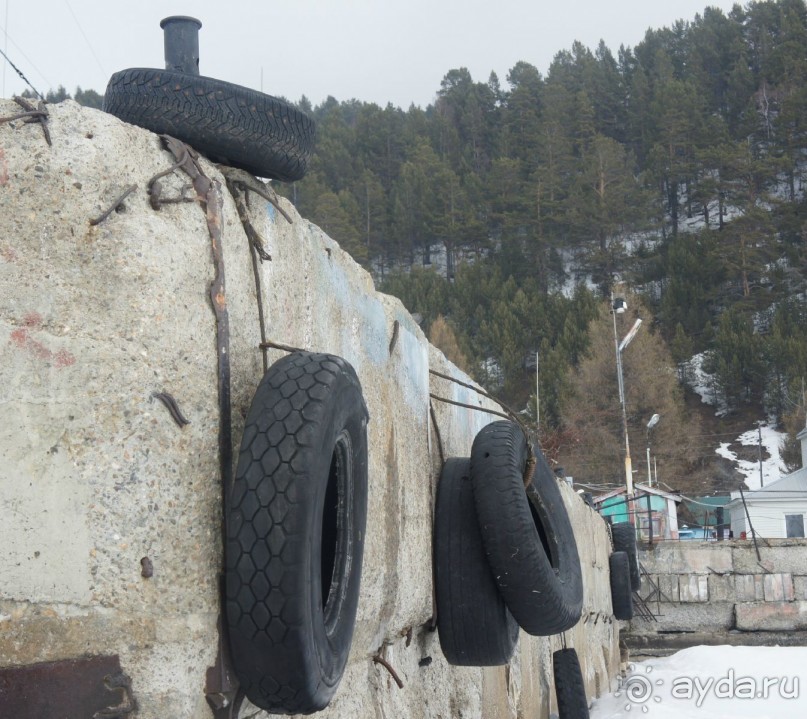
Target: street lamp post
(618, 306)
(652, 423)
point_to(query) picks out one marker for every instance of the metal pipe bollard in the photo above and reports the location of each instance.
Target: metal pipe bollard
(181, 36)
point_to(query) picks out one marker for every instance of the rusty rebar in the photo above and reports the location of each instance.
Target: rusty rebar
(278, 346)
(469, 406)
(437, 433)
(378, 659)
(115, 205)
(396, 327)
(172, 406)
(41, 115)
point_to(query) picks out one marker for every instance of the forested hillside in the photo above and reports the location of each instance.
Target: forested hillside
(506, 213)
(675, 167)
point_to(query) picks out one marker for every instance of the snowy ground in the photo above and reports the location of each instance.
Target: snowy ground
(772, 467)
(713, 683)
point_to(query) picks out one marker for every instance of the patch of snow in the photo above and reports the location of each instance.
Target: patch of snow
(763, 320)
(772, 467)
(574, 274)
(632, 241)
(720, 682)
(702, 383)
(492, 373)
(696, 223)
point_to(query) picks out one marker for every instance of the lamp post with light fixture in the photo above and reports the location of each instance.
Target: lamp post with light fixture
(652, 423)
(618, 307)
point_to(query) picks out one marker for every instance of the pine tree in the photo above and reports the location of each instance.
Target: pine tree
(681, 349)
(737, 360)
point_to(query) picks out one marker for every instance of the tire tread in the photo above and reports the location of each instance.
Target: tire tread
(266, 551)
(474, 626)
(229, 123)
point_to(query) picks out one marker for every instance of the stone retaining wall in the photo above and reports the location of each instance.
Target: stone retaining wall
(719, 587)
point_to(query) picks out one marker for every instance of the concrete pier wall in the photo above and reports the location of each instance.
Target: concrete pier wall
(96, 476)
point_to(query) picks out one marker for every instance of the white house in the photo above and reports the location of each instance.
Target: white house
(778, 510)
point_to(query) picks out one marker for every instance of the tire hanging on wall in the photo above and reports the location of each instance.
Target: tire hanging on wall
(570, 690)
(228, 123)
(295, 533)
(473, 623)
(621, 595)
(624, 538)
(527, 535)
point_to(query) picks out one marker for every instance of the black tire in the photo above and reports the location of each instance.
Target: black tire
(621, 595)
(570, 689)
(624, 538)
(295, 533)
(527, 535)
(228, 123)
(474, 625)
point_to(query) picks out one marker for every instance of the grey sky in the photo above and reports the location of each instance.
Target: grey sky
(365, 49)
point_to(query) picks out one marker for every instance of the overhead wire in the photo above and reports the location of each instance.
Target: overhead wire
(5, 50)
(20, 73)
(84, 35)
(27, 59)
(9, 39)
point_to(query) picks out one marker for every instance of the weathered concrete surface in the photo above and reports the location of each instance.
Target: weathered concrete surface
(95, 475)
(800, 587)
(689, 558)
(772, 616)
(693, 588)
(691, 617)
(778, 555)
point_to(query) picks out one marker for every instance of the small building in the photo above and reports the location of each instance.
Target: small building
(776, 511)
(614, 508)
(704, 514)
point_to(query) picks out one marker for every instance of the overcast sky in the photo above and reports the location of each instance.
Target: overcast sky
(372, 50)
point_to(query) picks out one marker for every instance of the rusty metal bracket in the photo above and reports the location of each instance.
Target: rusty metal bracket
(221, 685)
(209, 195)
(222, 692)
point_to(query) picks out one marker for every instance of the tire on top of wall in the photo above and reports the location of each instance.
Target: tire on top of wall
(527, 535)
(228, 123)
(473, 623)
(295, 533)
